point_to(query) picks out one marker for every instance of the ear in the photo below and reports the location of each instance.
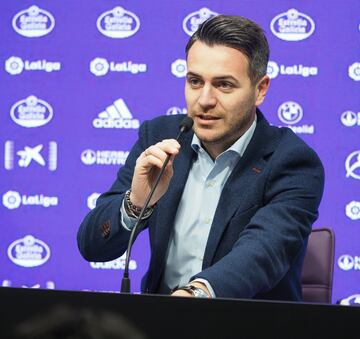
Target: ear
(261, 89)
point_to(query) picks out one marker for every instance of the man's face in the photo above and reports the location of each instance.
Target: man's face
(220, 96)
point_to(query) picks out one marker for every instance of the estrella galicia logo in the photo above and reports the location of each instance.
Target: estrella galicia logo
(352, 165)
(29, 252)
(192, 21)
(346, 262)
(31, 112)
(118, 23)
(290, 112)
(33, 22)
(350, 118)
(292, 26)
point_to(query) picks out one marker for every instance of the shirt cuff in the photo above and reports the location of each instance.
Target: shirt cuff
(127, 222)
(207, 284)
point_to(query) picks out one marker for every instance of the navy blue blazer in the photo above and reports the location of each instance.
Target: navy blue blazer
(259, 233)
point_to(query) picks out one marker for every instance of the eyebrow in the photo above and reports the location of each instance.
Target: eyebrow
(222, 77)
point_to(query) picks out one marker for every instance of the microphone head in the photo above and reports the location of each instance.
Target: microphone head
(186, 124)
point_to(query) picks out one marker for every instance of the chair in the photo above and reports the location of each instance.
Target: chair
(318, 268)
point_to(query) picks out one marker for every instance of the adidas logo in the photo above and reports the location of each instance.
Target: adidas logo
(116, 115)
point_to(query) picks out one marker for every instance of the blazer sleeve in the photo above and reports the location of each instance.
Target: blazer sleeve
(93, 243)
(277, 232)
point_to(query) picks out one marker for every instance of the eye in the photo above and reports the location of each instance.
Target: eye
(194, 82)
(226, 85)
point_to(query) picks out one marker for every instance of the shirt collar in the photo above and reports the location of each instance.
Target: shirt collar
(238, 147)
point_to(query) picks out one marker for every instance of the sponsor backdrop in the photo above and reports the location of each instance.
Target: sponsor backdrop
(78, 78)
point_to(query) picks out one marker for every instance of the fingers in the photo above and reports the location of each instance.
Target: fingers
(156, 154)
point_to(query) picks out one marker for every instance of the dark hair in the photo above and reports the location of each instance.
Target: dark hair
(239, 33)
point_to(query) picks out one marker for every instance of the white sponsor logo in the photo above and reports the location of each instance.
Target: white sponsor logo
(292, 26)
(352, 165)
(354, 71)
(351, 300)
(101, 66)
(28, 252)
(28, 154)
(15, 65)
(105, 157)
(176, 110)
(353, 210)
(347, 262)
(91, 200)
(290, 113)
(273, 70)
(13, 199)
(117, 115)
(50, 285)
(117, 264)
(31, 112)
(192, 21)
(350, 118)
(118, 23)
(33, 22)
(178, 68)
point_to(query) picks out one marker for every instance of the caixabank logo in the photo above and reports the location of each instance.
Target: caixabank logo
(31, 112)
(16, 65)
(33, 22)
(292, 25)
(118, 23)
(28, 252)
(193, 20)
(30, 155)
(291, 113)
(116, 115)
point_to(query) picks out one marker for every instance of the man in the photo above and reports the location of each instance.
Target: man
(233, 212)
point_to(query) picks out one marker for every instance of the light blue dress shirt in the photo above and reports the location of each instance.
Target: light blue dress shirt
(196, 211)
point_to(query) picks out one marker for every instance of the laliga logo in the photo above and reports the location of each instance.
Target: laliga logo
(292, 26)
(354, 71)
(100, 67)
(28, 252)
(118, 23)
(353, 210)
(31, 112)
(350, 118)
(15, 65)
(352, 165)
(11, 200)
(192, 21)
(290, 112)
(272, 69)
(91, 200)
(33, 22)
(178, 68)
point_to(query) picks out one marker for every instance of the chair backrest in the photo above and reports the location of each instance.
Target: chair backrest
(318, 268)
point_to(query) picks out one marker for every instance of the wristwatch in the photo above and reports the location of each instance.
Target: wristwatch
(197, 292)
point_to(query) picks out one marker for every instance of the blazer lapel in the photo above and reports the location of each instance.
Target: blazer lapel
(234, 194)
(169, 203)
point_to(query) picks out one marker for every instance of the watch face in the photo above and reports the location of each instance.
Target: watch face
(199, 293)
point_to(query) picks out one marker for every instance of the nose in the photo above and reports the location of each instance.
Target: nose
(207, 99)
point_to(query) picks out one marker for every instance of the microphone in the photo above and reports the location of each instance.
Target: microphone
(184, 127)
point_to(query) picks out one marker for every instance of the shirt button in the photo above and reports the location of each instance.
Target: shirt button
(207, 220)
(211, 183)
